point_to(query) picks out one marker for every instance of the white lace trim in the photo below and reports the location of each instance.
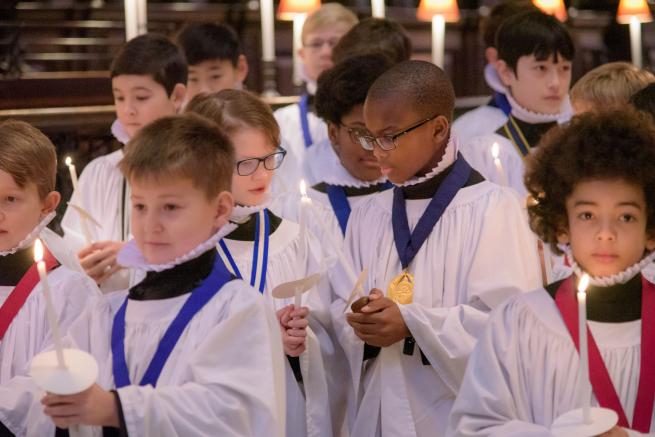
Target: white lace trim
(448, 158)
(608, 281)
(493, 80)
(326, 167)
(27, 241)
(130, 256)
(119, 132)
(241, 212)
(528, 116)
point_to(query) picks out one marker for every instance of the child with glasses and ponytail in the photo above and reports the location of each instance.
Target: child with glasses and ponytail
(267, 251)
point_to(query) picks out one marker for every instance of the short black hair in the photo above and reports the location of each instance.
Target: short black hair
(345, 85)
(644, 100)
(425, 87)
(596, 145)
(533, 33)
(500, 12)
(208, 42)
(373, 35)
(151, 55)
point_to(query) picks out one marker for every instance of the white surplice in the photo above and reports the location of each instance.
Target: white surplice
(315, 407)
(479, 252)
(225, 375)
(523, 373)
(100, 193)
(288, 176)
(29, 332)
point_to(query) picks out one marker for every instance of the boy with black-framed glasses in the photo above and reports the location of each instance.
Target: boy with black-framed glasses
(442, 248)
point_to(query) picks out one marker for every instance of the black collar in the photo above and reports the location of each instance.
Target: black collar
(353, 191)
(616, 304)
(246, 231)
(179, 280)
(13, 267)
(531, 131)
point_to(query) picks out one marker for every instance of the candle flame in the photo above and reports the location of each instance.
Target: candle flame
(38, 251)
(584, 282)
(495, 150)
(68, 161)
(303, 188)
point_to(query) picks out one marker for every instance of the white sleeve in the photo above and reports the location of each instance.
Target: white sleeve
(489, 403)
(236, 387)
(447, 335)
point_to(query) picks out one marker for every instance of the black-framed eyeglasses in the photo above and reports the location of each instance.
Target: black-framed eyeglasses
(388, 142)
(248, 166)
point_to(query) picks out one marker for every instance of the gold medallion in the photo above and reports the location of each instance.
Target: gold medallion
(401, 288)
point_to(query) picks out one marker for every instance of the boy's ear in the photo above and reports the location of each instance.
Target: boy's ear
(242, 68)
(563, 237)
(441, 129)
(224, 208)
(650, 242)
(504, 72)
(177, 96)
(333, 134)
(50, 202)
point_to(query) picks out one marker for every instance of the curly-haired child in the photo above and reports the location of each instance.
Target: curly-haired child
(596, 197)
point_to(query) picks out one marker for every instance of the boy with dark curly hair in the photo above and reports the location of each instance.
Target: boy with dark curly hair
(595, 191)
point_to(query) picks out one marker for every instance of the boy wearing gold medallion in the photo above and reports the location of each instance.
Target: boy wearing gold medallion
(438, 248)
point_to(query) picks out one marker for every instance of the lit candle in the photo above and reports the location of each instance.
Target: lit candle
(377, 8)
(495, 152)
(438, 37)
(73, 172)
(327, 235)
(50, 309)
(584, 354)
(83, 222)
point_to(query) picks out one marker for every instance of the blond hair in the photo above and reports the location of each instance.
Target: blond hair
(28, 156)
(187, 146)
(327, 16)
(233, 110)
(610, 84)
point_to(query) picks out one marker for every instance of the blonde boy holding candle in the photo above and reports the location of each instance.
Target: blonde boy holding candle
(190, 350)
(299, 125)
(268, 251)
(28, 199)
(431, 246)
(148, 82)
(595, 188)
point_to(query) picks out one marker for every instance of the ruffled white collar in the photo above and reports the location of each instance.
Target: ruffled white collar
(518, 111)
(493, 80)
(326, 167)
(29, 239)
(449, 156)
(131, 257)
(241, 213)
(119, 132)
(608, 281)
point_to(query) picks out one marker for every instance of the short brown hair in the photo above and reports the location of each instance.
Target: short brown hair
(373, 35)
(327, 16)
(186, 146)
(610, 84)
(232, 110)
(28, 156)
(612, 144)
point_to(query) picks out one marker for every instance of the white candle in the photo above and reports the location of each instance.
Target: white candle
(438, 36)
(50, 309)
(495, 152)
(83, 222)
(585, 392)
(635, 41)
(298, 22)
(268, 30)
(377, 8)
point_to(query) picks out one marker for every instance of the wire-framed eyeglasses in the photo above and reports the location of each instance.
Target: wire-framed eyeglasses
(388, 142)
